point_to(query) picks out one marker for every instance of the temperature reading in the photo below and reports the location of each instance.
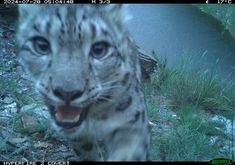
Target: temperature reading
(225, 1)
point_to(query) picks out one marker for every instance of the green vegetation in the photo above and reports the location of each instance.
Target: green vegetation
(10, 86)
(222, 12)
(20, 124)
(192, 96)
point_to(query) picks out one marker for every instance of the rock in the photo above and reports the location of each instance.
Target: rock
(224, 144)
(148, 63)
(18, 142)
(39, 111)
(228, 123)
(42, 145)
(11, 108)
(8, 100)
(63, 148)
(28, 107)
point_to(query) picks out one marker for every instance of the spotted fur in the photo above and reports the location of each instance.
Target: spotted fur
(84, 64)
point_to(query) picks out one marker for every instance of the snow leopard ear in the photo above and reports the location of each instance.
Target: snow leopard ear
(116, 12)
(28, 10)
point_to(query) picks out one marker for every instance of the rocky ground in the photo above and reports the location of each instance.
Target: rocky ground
(23, 135)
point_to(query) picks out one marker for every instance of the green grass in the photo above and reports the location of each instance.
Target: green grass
(192, 95)
(202, 89)
(10, 86)
(17, 125)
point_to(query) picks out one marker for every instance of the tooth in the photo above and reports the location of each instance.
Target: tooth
(58, 117)
(68, 121)
(76, 118)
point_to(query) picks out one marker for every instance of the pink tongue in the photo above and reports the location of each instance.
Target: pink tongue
(68, 113)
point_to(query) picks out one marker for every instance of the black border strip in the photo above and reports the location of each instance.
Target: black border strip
(116, 1)
(150, 1)
(81, 163)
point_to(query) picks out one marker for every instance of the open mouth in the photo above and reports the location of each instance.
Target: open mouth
(67, 116)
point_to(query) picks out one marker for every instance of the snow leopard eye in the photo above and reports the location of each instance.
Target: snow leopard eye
(99, 49)
(41, 45)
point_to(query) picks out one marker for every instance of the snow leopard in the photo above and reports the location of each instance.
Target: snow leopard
(84, 64)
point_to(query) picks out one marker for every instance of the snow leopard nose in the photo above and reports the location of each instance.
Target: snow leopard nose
(67, 96)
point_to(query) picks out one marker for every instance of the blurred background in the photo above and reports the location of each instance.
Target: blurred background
(200, 35)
